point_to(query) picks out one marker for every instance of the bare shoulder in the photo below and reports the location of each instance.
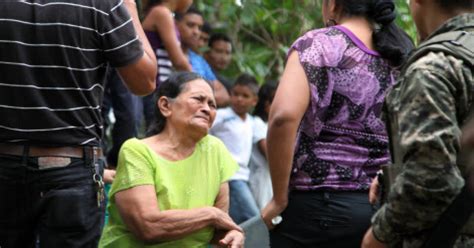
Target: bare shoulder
(160, 12)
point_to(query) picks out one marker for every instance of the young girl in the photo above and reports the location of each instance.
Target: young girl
(260, 181)
(161, 31)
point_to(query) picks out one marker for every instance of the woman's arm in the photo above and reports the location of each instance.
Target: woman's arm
(288, 108)
(138, 207)
(222, 199)
(262, 147)
(221, 94)
(160, 20)
(233, 238)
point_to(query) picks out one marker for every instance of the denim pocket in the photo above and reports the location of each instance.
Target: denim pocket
(72, 208)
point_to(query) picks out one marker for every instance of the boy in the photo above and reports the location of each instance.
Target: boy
(239, 131)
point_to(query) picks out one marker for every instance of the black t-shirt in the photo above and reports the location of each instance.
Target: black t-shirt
(53, 59)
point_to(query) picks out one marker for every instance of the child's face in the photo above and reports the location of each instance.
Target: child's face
(242, 99)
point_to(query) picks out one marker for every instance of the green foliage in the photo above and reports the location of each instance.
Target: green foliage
(263, 30)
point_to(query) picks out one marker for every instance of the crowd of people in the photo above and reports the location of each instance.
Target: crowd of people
(194, 156)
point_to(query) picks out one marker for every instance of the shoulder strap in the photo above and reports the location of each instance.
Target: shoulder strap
(459, 44)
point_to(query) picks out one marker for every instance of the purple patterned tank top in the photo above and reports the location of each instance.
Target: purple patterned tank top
(342, 141)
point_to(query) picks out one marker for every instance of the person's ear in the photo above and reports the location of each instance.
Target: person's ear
(332, 7)
(418, 1)
(255, 101)
(164, 105)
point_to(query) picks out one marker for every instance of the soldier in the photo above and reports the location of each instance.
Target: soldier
(426, 111)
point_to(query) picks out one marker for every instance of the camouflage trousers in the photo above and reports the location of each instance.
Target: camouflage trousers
(464, 241)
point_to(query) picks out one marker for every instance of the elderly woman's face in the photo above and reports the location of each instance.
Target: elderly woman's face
(195, 107)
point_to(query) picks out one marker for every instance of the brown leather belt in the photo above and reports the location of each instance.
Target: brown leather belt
(39, 151)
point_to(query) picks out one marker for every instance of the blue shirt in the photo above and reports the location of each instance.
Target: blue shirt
(200, 66)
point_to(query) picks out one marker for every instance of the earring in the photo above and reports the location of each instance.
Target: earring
(330, 23)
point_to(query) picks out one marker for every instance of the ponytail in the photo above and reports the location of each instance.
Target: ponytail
(390, 41)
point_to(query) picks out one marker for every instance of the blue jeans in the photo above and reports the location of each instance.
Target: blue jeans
(242, 203)
(57, 206)
(127, 118)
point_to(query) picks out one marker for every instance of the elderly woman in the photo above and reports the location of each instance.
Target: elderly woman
(171, 188)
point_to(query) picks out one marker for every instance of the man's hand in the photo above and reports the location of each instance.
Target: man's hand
(374, 189)
(370, 241)
(272, 210)
(109, 176)
(233, 239)
(468, 134)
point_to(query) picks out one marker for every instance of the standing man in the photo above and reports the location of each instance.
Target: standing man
(189, 25)
(53, 64)
(426, 111)
(219, 56)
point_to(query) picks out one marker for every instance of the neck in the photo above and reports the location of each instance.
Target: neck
(438, 18)
(242, 116)
(185, 49)
(178, 141)
(361, 28)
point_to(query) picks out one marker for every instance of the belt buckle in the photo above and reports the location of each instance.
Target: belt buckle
(95, 154)
(45, 163)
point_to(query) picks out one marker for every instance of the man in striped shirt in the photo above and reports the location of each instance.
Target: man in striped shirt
(53, 59)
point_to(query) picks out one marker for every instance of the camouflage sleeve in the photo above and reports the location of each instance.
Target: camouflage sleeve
(429, 136)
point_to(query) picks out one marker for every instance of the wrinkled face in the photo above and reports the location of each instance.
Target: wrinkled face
(194, 109)
(190, 29)
(242, 99)
(220, 55)
(183, 5)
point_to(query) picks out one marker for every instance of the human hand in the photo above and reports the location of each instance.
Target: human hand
(130, 2)
(109, 176)
(233, 239)
(468, 134)
(272, 210)
(373, 190)
(222, 221)
(370, 241)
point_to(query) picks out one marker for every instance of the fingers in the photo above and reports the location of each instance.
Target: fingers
(374, 186)
(109, 176)
(233, 239)
(226, 223)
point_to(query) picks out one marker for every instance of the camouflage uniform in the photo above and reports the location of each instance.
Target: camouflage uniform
(429, 105)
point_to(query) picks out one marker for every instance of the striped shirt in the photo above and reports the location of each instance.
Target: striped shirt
(165, 66)
(53, 59)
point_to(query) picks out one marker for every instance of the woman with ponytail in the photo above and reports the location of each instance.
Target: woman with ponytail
(160, 30)
(326, 139)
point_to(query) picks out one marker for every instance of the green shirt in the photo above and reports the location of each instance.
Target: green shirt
(190, 183)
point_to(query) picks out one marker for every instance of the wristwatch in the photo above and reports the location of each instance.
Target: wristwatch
(277, 220)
